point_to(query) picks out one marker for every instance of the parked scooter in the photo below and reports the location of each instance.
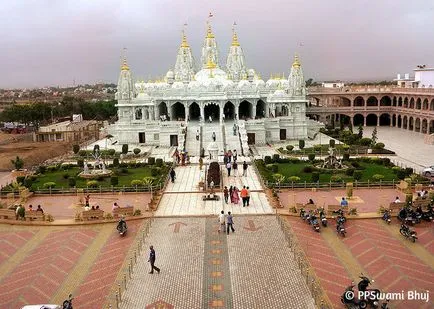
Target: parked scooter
(340, 217)
(406, 215)
(407, 232)
(349, 299)
(427, 215)
(323, 218)
(314, 222)
(387, 217)
(67, 304)
(122, 227)
(302, 214)
(340, 228)
(371, 295)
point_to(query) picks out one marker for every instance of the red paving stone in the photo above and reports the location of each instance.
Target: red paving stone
(372, 198)
(10, 242)
(93, 291)
(43, 271)
(425, 234)
(387, 260)
(330, 271)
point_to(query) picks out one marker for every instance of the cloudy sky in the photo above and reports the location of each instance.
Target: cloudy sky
(54, 42)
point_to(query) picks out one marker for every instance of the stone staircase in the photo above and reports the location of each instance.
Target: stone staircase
(231, 141)
(192, 145)
(208, 129)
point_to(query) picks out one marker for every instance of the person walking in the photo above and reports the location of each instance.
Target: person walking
(235, 155)
(172, 175)
(235, 168)
(243, 195)
(248, 196)
(222, 221)
(228, 167)
(152, 260)
(235, 198)
(213, 136)
(245, 169)
(226, 194)
(197, 135)
(230, 222)
(87, 199)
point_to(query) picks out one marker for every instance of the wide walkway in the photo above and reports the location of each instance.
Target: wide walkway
(409, 146)
(201, 268)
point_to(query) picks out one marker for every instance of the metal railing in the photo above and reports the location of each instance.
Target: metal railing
(116, 298)
(319, 296)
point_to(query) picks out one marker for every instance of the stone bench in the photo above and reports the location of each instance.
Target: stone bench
(421, 202)
(396, 206)
(123, 211)
(332, 209)
(92, 215)
(34, 215)
(7, 214)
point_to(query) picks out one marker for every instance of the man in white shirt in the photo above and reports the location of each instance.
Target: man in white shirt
(397, 200)
(222, 221)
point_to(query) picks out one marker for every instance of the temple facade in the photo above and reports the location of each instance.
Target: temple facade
(194, 94)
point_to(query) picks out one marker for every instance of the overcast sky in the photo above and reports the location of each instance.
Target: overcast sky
(54, 42)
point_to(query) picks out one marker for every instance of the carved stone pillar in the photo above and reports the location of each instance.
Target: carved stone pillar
(253, 116)
(187, 116)
(202, 113)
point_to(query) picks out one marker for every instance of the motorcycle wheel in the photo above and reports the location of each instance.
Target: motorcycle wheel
(363, 304)
(413, 239)
(402, 232)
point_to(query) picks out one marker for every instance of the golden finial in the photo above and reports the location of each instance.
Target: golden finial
(124, 66)
(296, 63)
(210, 64)
(234, 36)
(209, 34)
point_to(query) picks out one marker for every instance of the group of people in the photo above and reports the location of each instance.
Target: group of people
(181, 157)
(234, 194)
(226, 222)
(20, 211)
(231, 164)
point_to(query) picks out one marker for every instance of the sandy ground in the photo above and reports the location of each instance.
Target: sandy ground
(32, 153)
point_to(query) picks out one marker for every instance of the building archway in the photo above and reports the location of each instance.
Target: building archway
(359, 101)
(431, 106)
(212, 110)
(411, 123)
(405, 122)
(385, 101)
(229, 110)
(245, 110)
(385, 120)
(371, 120)
(139, 114)
(394, 120)
(285, 110)
(399, 121)
(372, 101)
(424, 126)
(395, 101)
(406, 102)
(412, 103)
(260, 109)
(417, 125)
(194, 111)
(418, 103)
(162, 109)
(400, 102)
(358, 120)
(178, 112)
(431, 127)
(425, 104)
(344, 102)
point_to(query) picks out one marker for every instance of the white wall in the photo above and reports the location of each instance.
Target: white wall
(425, 78)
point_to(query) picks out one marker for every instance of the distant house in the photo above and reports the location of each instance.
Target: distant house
(76, 130)
(333, 84)
(423, 78)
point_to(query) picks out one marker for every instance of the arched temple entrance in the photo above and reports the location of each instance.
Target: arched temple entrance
(229, 110)
(212, 110)
(358, 120)
(385, 120)
(260, 109)
(162, 109)
(245, 110)
(371, 120)
(178, 112)
(359, 101)
(194, 111)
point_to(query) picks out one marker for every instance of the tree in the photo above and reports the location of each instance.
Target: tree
(18, 163)
(125, 148)
(301, 144)
(374, 137)
(309, 82)
(75, 148)
(360, 134)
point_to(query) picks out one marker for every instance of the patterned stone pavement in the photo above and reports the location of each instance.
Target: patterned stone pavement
(374, 248)
(201, 268)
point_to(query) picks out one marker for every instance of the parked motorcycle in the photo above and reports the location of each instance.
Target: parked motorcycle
(370, 295)
(407, 232)
(314, 222)
(349, 299)
(387, 217)
(340, 228)
(425, 215)
(385, 305)
(406, 215)
(323, 218)
(67, 304)
(302, 213)
(122, 227)
(340, 216)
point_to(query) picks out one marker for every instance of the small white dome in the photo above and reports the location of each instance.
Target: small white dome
(170, 74)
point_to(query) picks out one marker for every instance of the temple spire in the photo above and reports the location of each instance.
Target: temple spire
(209, 48)
(125, 89)
(296, 84)
(184, 66)
(235, 62)
(234, 36)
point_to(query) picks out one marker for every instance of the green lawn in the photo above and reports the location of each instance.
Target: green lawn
(296, 169)
(58, 177)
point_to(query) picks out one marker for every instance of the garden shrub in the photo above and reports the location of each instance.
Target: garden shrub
(349, 171)
(284, 160)
(80, 162)
(332, 143)
(41, 169)
(377, 177)
(315, 177)
(294, 178)
(95, 148)
(137, 151)
(357, 175)
(401, 174)
(155, 171)
(132, 164)
(386, 162)
(111, 152)
(136, 182)
(289, 147)
(280, 149)
(125, 148)
(72, 181)
(49, 185)
(336, 178)
(151, 160)
(214, 173)
(275, 158)
(317, 147)
(82, 153)
(114, 180)
(116, 162)
(346, 156)
(52, 168)
(260, 162)
(75, 148)
(379, 146)
(294, 160)
(301, 144)
(20, 179)
(408, 171)
(65, 176)
(272, 167)
(123, 170)
(149, 181)
(308, 169)
(28, 181)
(355, 164)
(92, 183)
(311, 156)
(267, 159)
(159, 162)
(137, 212)
(365, 141)
(395, 169)
(346, 147)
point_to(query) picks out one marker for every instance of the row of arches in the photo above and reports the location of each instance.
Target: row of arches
(245, 110)
(417, 124)
(359, 101)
